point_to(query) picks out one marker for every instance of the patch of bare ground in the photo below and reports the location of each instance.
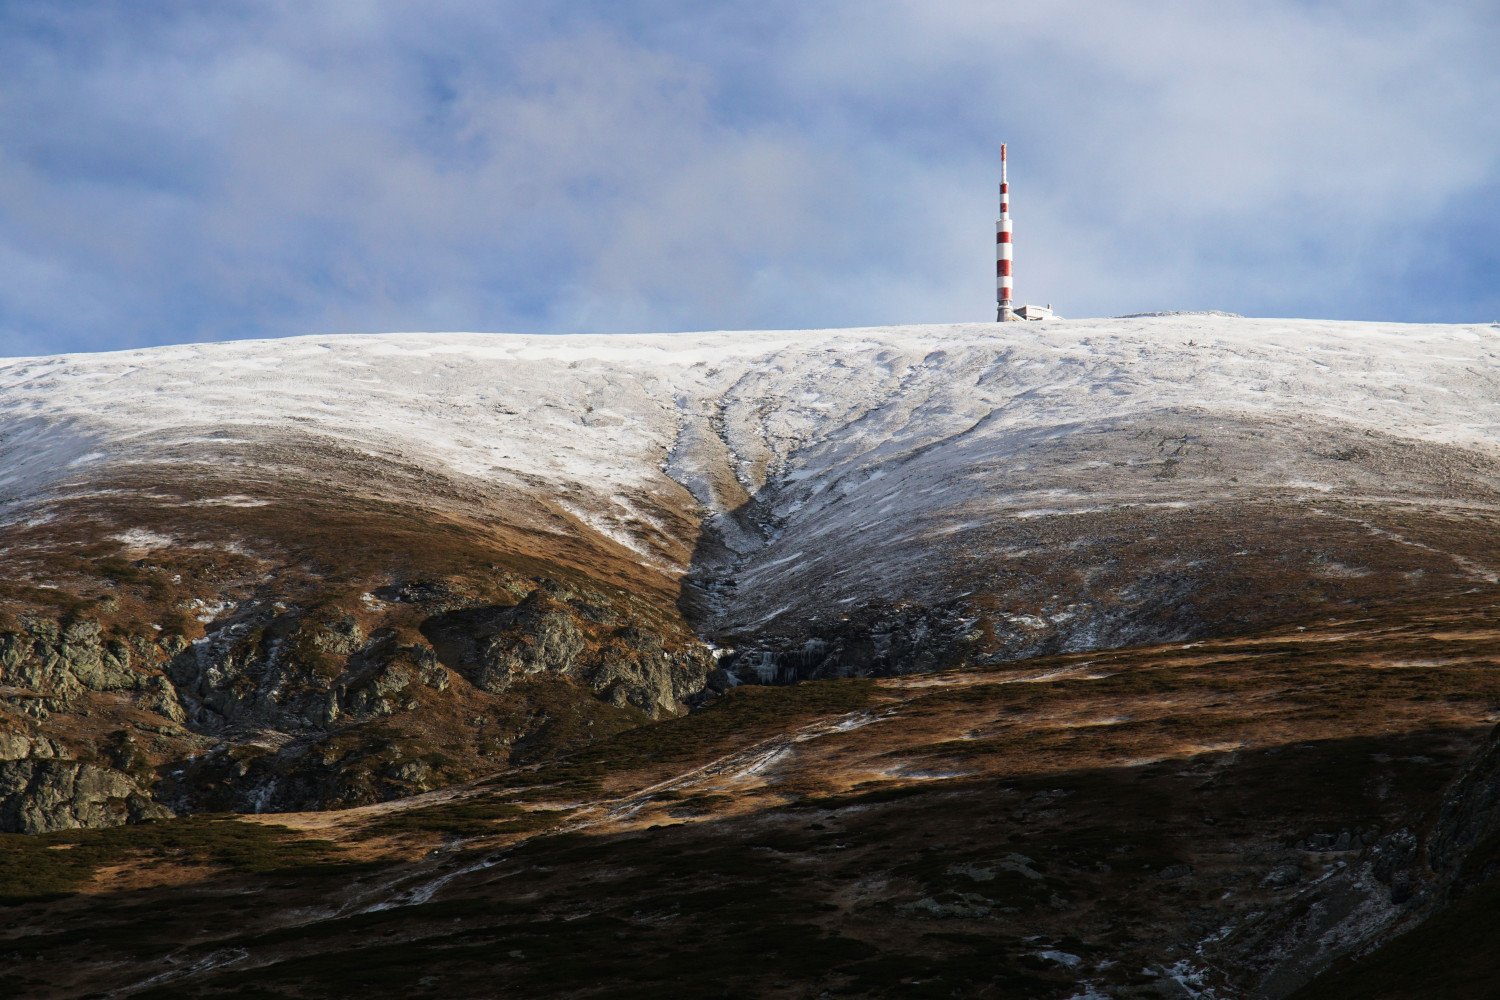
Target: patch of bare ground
(1116, 821)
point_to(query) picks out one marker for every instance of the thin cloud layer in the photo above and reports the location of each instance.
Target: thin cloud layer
(269, 169)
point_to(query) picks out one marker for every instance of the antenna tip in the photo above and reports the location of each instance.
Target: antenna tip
(1002, 151)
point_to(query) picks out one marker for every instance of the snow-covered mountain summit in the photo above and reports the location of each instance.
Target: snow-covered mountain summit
(611, 411)
(796, 478)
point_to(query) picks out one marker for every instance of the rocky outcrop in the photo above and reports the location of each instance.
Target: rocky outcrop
(265, 665)
(55, 661)
(47, 667)
(40, 795)
(45, 783)
(890, 640)
(880, 643)
(352, 766)
(1464, 847)
(556, 631)
(383, 674)
(1376, 885)
(281, 705)
(44, 788)
(280, 667)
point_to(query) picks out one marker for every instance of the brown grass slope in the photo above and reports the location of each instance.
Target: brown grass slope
(1116, 820)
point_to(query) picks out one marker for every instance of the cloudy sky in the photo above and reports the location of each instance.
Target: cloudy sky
(175, 171)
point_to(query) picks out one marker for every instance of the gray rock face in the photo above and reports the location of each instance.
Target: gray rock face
(45, 666)
(1469, 818)
(494, 646)
(553, 631)
(263, 667)
(285, 669)
(282, 668)
(1283, 875)
(1393, 856)
(58, 660)
(635, 668)
(312, 773)
(38, 796)
(1389, 882)
(282, 706)
(884, 643)
(382, 675)
(43, 789)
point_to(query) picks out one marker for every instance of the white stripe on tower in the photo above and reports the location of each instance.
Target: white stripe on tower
(1003, 286)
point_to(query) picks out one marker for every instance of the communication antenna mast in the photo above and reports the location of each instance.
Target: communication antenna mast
(1004, 289)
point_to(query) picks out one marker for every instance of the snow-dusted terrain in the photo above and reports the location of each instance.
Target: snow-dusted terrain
(841, 469)
(424, 595)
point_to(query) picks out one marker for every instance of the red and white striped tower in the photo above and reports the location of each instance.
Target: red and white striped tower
(1003, 248)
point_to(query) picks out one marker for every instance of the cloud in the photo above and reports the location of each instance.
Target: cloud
(171, 173)
(1256, 156)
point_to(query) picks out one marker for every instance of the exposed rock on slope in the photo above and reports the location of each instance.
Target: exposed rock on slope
(44, 787)
(283, 706)
(1440, 930)
(551, 631)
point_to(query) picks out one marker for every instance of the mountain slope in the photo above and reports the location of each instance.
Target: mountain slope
(294, 574)
(896, 442)
(1175, 637)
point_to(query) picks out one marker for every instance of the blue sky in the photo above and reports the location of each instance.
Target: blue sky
(179, 171)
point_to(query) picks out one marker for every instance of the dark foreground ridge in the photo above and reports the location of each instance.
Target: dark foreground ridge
(1222, 818)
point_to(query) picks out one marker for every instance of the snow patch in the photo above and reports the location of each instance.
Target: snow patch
(141, 538)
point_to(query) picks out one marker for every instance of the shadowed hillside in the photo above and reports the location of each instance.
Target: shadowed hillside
(1226, 815)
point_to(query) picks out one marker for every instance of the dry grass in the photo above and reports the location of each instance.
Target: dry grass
(864, 836)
